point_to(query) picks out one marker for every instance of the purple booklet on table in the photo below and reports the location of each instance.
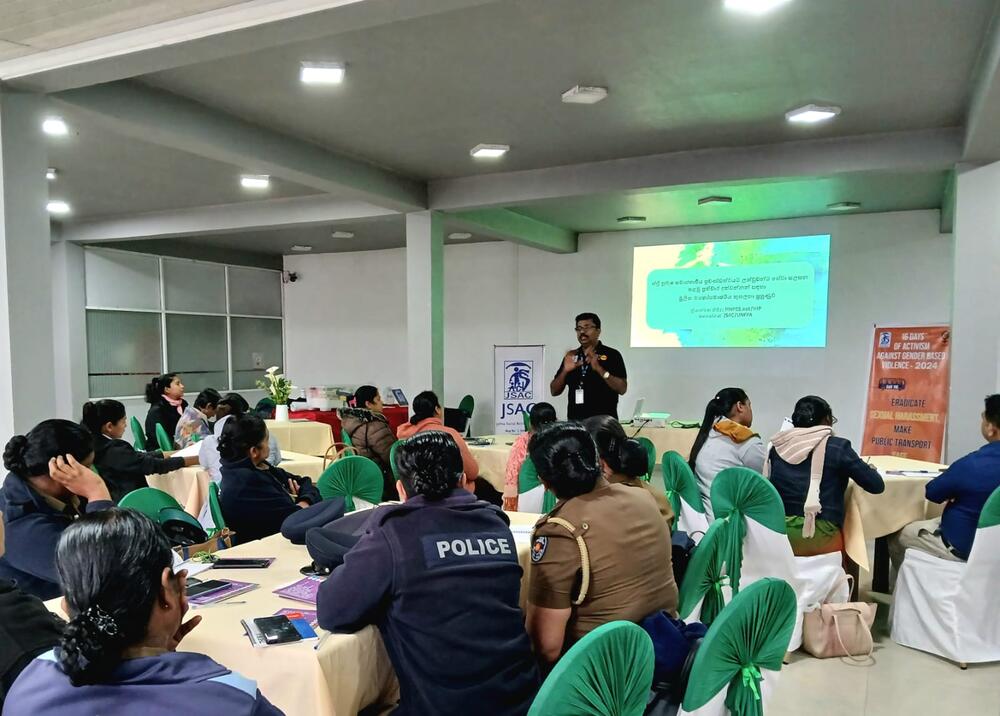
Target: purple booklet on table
(304, 590)
(232, 590)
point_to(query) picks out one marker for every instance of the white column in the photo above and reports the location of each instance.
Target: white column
(27, 389)
(975, 357)
(425, 303)
(69, 329)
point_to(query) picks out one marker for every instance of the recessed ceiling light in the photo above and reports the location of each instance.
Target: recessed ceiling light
(460, 235)
(584, 95)
(489, 151)
(302, 247)
(57, 207)
(50, 174)
(812, 113)
(342, 235)
(55, 126)
(754, 7)
(844, 206)
(255, 181)
(322, 73)
(715, 200)
(631, 219)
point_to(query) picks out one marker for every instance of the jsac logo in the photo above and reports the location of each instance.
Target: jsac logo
(884, 339)
(517, 379)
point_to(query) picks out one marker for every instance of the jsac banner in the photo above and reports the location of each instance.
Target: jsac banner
(518, 383)
(908, 392)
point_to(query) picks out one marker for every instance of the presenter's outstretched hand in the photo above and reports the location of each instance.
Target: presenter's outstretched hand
(569, 362)
(595, 363)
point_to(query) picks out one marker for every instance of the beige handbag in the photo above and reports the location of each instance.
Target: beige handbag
(844, 629)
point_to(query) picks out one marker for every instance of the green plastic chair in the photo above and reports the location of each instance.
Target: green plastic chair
(467, 405)
(680, 483)
(526, 415)
(751, 634)
(392, 458)
(527, 479)
(650, 456)
(705, 577)
(215, 509)
(350, 477)
(149, 501)
(138, 437)
(165, 442)
(739, 494)
(607, 673)
(990, 516)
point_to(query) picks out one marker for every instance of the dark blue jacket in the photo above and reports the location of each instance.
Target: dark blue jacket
(441, 581)
(31, 531)
(841, 465)
(966, 486)
(255, 502)
(164, 685)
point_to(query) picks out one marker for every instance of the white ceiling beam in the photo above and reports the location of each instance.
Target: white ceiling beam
(247, 26)
(172, 121)
(982, 123)
(914, 151)
(221, 219)
(517, 228)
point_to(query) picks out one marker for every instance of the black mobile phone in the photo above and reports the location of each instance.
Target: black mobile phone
(277, 630)
(240, 563)
(212, 585)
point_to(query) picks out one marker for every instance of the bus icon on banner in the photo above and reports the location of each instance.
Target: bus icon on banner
(892, 384)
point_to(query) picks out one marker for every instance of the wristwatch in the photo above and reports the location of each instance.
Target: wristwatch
(607, 374)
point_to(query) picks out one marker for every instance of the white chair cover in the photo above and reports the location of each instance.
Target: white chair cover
(950, 608)
(531, 501)
(691, 521)
(767, 553)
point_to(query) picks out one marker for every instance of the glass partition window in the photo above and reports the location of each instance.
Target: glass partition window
(147, 314)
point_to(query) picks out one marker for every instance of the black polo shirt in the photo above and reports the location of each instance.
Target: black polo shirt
(598, 398)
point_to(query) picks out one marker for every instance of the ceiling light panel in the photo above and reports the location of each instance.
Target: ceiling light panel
(57, 207)
(50, 174)
(460, 235)
(489, 151)
(754, 7)
(55, 126)
(812, 113)
(255, 181)
(322, 73)
(342, 235)
(584, 95)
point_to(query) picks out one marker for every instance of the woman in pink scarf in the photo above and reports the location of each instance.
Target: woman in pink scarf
(165, 395)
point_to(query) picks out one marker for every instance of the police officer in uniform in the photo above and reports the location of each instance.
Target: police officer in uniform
(594, 373)
(439, 576)
(602, 554)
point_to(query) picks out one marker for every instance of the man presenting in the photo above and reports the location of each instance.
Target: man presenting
(594, 373)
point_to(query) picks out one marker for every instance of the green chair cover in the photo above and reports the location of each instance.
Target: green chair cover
(350, 477)
(548, 502)
(467, 405)
(679, 481)
(990, 516)
(526, 416)
(138, 437)
(650, 456)
(739, 493)
(165, 442)
(215, 509)
(527, 479)
(392, 457)
(149, 501)
(607, 673)
(751, 634)
(705, 577)
(345, 438)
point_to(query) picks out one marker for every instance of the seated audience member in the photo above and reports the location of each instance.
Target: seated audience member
(429, 415)
(611, 449)
(49, 485)
(810, 468)
(540, 415)
(370, 433)
(439, 576)
(195, 423)
(231, 405)
(27, 629)
(118, 653)
(255, 496)
(629, 575)
(964, 488)
(121, 466)
(165, 396)
(725, 440)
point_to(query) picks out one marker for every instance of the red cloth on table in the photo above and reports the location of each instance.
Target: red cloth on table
(395, 414)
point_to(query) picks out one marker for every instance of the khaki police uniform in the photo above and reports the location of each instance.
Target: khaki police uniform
(607, 555)
(660, 497)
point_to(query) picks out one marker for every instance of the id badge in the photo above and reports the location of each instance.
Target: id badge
(578, 396)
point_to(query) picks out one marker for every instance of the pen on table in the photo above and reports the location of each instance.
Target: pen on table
(216, 604)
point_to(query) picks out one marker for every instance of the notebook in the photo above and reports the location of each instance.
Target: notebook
(232, 590)
(304, 590)
(308, 615)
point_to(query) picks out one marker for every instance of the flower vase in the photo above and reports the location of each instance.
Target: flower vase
(281, 413)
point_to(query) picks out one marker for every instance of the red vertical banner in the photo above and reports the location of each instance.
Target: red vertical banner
(908, 392)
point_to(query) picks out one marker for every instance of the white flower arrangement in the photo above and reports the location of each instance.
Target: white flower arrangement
(276, 385)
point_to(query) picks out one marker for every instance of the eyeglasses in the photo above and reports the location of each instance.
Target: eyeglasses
(834, 419)
(584, 329)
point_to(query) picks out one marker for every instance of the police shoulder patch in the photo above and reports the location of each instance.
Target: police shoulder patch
(538, 548)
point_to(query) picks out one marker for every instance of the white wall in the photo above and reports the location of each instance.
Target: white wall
(346, 317)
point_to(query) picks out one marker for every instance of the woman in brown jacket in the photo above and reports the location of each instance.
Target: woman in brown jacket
(370, 433)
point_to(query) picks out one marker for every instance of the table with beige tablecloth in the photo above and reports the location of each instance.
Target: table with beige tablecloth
(336, 676)
(306, 437)
(189, 485)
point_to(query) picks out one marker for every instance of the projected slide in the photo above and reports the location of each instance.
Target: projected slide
(760, 293)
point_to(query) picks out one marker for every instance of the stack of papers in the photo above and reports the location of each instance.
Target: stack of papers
(232, 590)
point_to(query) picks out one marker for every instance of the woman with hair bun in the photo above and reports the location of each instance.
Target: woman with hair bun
(439, 576)
(48, 486)
(165, 395)
(602, 553)
(118, 653)
(810, 468)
